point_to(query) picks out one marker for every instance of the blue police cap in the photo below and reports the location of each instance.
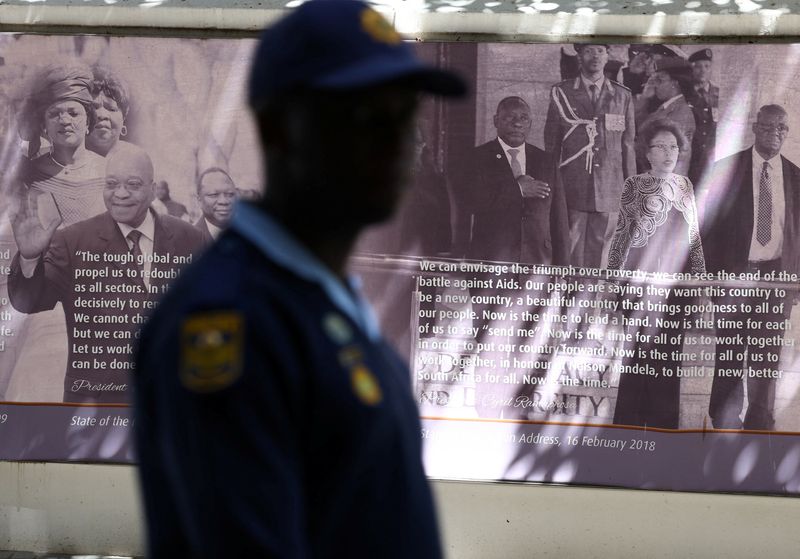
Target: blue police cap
(338, 45)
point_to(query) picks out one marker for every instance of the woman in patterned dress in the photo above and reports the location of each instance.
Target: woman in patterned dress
(657, 231)
(65, 180)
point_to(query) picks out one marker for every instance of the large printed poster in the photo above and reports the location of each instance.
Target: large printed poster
(593, 274)
(613, 301)
(96, 133)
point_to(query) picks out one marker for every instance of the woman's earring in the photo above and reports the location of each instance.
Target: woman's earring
(123, 131)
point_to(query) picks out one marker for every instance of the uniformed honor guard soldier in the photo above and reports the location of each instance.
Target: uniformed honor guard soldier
(590, 132)
(704, 100)
(272, 418)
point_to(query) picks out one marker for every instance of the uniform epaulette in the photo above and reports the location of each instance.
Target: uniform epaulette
(622, 85)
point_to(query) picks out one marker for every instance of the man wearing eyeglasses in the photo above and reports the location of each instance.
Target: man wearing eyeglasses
(751, 225)
(106, 271)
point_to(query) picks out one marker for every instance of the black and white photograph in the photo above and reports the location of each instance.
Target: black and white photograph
(597, 248)
(122, 161)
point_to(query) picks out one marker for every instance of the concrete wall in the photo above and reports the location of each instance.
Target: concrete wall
(91, 508)
(75, 508)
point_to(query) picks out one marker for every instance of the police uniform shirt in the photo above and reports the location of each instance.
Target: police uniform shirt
(772, 250)
(263, 378)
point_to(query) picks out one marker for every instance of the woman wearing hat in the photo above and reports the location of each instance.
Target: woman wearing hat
(657, 231)
(66, 174)
(65, 180)
(671, 78)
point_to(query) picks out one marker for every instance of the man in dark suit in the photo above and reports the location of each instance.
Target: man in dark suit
(517, 213)
(509, 206)
(217, 193)
(107, 271)
(590, 132)
(751, 224)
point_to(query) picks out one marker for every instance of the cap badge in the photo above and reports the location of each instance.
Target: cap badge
(378, 28)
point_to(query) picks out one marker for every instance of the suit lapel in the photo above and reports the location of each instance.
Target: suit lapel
(111, 239)
(790, 229)
(501, 171)
(744, 180)
(532, 163)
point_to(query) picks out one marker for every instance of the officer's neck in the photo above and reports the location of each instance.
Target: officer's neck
(330, 245)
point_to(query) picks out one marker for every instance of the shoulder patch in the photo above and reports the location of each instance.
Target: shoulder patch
(212, 350)
(365, 385)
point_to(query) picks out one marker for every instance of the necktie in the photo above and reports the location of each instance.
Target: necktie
(594, 96)
(136, 252)
(516, 168)
(764, 221)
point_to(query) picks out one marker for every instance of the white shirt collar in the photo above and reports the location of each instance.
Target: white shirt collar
(213, 229)
(147, 228)
(599, 83)
(758, 161)
(507, 147)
